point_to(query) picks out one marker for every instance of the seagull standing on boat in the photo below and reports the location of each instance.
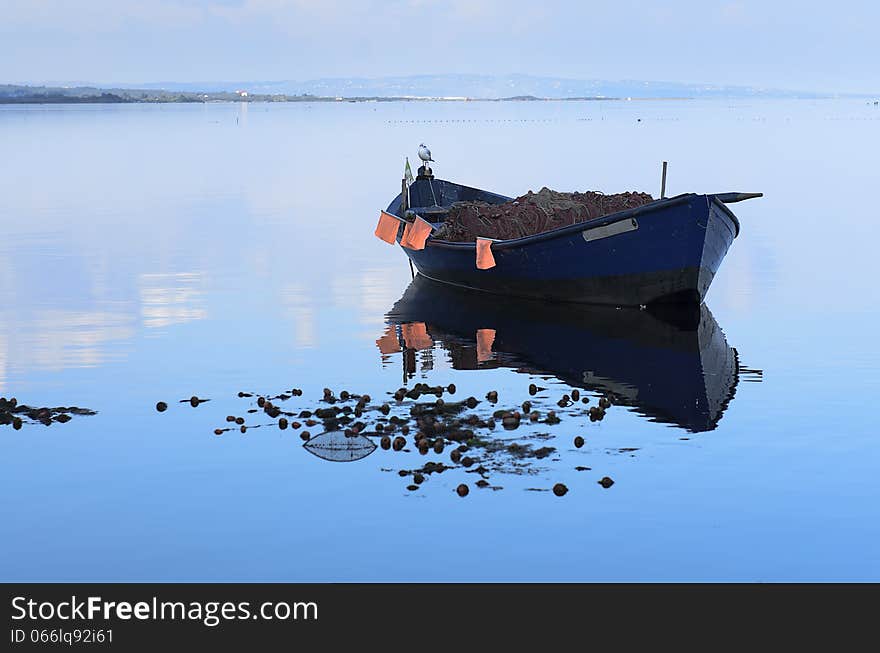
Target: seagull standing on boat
(425, 154)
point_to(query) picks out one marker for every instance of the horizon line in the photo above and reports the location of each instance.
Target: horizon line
(695, 84)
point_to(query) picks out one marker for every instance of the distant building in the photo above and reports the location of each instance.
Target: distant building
(242, 93)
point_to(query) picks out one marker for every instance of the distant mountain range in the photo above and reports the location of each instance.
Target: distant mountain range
(481, 87)
(451, 86)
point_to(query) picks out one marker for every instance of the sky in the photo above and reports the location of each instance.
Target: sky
(810, 46)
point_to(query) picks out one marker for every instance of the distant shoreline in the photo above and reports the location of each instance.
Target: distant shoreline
(112, 98)
(26, 94)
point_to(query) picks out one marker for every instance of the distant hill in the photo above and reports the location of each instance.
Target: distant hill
(483, 87)
(91, 94)
(452, 87)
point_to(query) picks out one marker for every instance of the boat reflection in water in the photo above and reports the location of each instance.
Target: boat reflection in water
(670, 364)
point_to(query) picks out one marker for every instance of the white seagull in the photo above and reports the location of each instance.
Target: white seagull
(425, 154)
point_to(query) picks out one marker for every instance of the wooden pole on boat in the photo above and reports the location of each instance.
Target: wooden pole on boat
(663, 182)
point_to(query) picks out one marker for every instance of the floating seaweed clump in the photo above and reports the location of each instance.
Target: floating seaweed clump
(420, 420)
(17, 415)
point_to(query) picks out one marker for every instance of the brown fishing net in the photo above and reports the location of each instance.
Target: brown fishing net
(532, 213)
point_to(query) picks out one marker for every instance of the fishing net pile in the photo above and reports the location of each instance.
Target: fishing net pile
(532, 213)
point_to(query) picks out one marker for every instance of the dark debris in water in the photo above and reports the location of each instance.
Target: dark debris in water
(17, 415)
(424, 420)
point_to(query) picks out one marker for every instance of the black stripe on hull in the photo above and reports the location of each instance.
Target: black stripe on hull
(685, 286)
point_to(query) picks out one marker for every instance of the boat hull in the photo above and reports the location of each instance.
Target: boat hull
(666, 251)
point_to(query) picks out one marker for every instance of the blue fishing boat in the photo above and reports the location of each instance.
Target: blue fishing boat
(666, 251)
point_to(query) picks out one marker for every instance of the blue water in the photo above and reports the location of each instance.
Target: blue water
(158, 252)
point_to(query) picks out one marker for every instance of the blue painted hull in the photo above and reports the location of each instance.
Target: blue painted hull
(666, 251)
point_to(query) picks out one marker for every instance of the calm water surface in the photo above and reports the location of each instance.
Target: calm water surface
(158, 252)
